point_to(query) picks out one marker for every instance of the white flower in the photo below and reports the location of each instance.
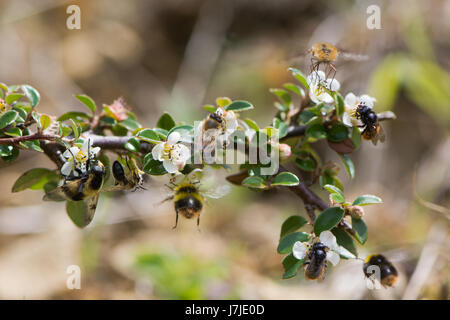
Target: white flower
(352, 102)
(172, 154)
(317, 84)
(77, 158)
(300, 249)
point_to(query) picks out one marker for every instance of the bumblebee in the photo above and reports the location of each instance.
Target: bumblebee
(388, 273)
(317, 261)
(85, 186)
(189, 196)
(130, 179)
(372, 129)
(213, 128)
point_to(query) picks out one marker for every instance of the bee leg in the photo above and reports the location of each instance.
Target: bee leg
(176, 221)
(198, 223)
(332, 66)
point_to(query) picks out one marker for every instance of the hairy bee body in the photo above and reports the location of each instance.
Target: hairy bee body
(324, 52)
(127, 179)
(317, 261)
(372, 129)
(388, 273)
(85, 187)
(187, 201)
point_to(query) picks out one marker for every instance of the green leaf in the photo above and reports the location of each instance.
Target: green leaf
(337, 198)
(328, 219)
(366, 199)
(77, 212)
(306, 164)
(292, 224)
(306, 116)
(345, 240)
(148, 135)
(32, 94)
(210, 108)
(299, 76)
(337, 133)
(30, 178)
(294, 88)
(316, 131)
(285, 179)
(75, 115)
(133, 145)
(361, 230)
(166, 122)
(333, 189)
(286, 243)
(284, 96)
(13, 153)
(254, 182)
(10, 98)
(45, 121)
(340, 107)
(129, 124)
(13, 132)
(281, 126)
(291, 265)
(8, 118)
(22, 113)
(356, 137)
(153, 167)
(239, 105)
(348, 164)
(32, 144)
(252, 124)
(223, 102)
(87, 101)
(76, 132)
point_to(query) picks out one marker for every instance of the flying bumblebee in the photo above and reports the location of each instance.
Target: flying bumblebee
(189, 196)
(85, 186)
(317, 261)
(372, 129)
(129, 179)
(388, 273)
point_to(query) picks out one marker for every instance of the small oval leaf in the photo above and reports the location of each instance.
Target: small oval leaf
(366, 199)
(286, 243)
(285, 179)
(328, 219)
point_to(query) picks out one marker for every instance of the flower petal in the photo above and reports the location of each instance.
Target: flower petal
(328, 239)
(350, 100)
(299, 250)
(67, 154)
(344, 252)
(66, 169)
(170, 166)
(367, 100)
(333, 84)
(157, 151)
(181, 152)
(94, 151)
(333, 257)
(346, 120)
(173, 138)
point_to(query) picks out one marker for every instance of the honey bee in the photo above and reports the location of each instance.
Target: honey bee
(84, 187)
(372, 129)
(317, 261)
(388, 273)
(129, 179)
(189, 195)
(213, 128)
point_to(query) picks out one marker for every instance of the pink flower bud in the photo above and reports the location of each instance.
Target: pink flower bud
(285, 151)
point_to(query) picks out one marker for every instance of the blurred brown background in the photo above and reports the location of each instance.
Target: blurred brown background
(177, 55)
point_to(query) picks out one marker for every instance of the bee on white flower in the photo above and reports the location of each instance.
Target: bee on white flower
(316, 254)
(216, 129)
(76, 159)
(173, 155)
(351, 103)
(317, 85)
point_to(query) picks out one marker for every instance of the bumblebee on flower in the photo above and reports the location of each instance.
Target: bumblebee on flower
(76, 159)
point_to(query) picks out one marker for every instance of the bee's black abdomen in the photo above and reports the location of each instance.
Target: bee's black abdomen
(98, 177)
(118, 172)
(188, 203)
